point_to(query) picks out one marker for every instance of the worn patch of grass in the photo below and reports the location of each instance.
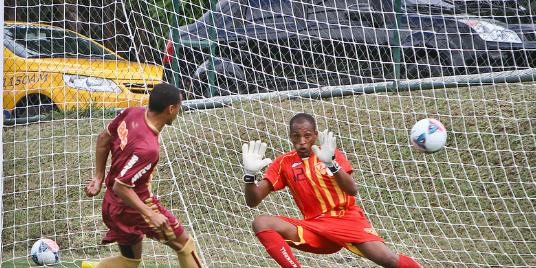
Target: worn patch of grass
(471, 204)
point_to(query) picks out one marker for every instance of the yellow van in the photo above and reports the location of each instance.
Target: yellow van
(50, 68)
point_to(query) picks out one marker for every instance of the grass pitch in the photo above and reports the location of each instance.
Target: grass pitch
(470, 205)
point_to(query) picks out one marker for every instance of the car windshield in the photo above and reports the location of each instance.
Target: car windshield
(46, 42)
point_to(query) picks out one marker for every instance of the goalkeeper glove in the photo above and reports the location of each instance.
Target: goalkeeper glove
(253, 159)
(326, 152)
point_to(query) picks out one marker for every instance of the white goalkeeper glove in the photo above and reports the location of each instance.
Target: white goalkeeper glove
(326, 152)
(253, 159)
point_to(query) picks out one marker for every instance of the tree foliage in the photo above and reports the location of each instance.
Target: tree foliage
(135, 29)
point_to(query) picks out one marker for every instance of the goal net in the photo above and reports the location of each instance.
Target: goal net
(367, 70)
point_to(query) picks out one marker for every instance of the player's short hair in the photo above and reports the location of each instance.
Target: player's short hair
(162, 96)
(300, 118)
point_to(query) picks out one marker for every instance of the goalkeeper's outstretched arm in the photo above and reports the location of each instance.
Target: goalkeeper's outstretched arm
(253, 161)
(326, 154)
(256, 192)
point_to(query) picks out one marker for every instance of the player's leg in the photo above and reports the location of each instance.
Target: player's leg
(131, 251)
(184, 246)
(122, 230)
(272, 232)
(174, 236)
(300, 237)
(130, 257)
(284, 228)
(355, 232)
(379, 253)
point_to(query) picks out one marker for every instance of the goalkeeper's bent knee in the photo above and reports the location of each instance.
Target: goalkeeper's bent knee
(118, 262)
(187, 256)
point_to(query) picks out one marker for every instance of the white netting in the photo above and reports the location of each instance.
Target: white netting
(470, 205)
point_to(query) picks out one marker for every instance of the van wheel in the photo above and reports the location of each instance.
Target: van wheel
(33, 105)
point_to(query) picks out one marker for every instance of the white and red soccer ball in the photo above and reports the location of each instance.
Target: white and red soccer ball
(45, 252)
(428, 135)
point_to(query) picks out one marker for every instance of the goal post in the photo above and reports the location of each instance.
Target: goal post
(367, 70)
(1, 136)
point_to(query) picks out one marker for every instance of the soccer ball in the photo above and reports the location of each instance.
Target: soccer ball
(45, 252)
(428, 135)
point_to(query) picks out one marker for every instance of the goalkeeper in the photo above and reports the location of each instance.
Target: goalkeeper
(129, 209)
(320, 181)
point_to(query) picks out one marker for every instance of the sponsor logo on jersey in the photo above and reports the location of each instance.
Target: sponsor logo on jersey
(129, 164)
(122, 133)
(141, 173)
(296, 164)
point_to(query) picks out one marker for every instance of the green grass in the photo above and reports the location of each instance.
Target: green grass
(471, 204)
(28, 263)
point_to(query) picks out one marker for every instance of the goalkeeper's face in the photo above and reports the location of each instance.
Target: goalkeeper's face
(303, 136)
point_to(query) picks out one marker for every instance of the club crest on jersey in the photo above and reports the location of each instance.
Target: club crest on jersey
(122, 133)
(321, 168)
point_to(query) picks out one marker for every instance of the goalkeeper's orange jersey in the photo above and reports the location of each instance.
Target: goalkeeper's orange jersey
(312, 185)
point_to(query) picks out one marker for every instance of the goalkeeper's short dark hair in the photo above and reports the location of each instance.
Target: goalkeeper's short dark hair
(302, 117)
(162, 96)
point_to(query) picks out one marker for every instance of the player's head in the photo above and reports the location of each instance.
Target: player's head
(303, 134)
(165, 100)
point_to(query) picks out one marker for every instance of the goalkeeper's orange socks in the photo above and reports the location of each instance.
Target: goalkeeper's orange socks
(407, 262)
(277, 248)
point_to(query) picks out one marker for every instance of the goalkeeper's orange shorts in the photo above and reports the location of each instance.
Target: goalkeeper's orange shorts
(127, 226)
(327, 234)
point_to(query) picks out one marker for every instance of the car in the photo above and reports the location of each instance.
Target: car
(267, 45)
(49, 68)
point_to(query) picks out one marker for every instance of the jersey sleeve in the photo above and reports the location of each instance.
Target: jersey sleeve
(137, 165)
(274, 174)
(112, 126)
(343, 162)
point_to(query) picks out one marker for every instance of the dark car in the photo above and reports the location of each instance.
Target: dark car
(268, 45)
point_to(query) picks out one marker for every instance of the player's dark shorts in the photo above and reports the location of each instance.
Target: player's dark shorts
(127, 226)
(327, 234)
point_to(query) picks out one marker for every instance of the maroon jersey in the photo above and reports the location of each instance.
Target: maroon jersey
(135, 151)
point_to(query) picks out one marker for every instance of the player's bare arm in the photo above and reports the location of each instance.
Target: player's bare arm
(326, 154)
(102, 150)
(256, 192)
(253, 161)
(132, 200)
(346, 182)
